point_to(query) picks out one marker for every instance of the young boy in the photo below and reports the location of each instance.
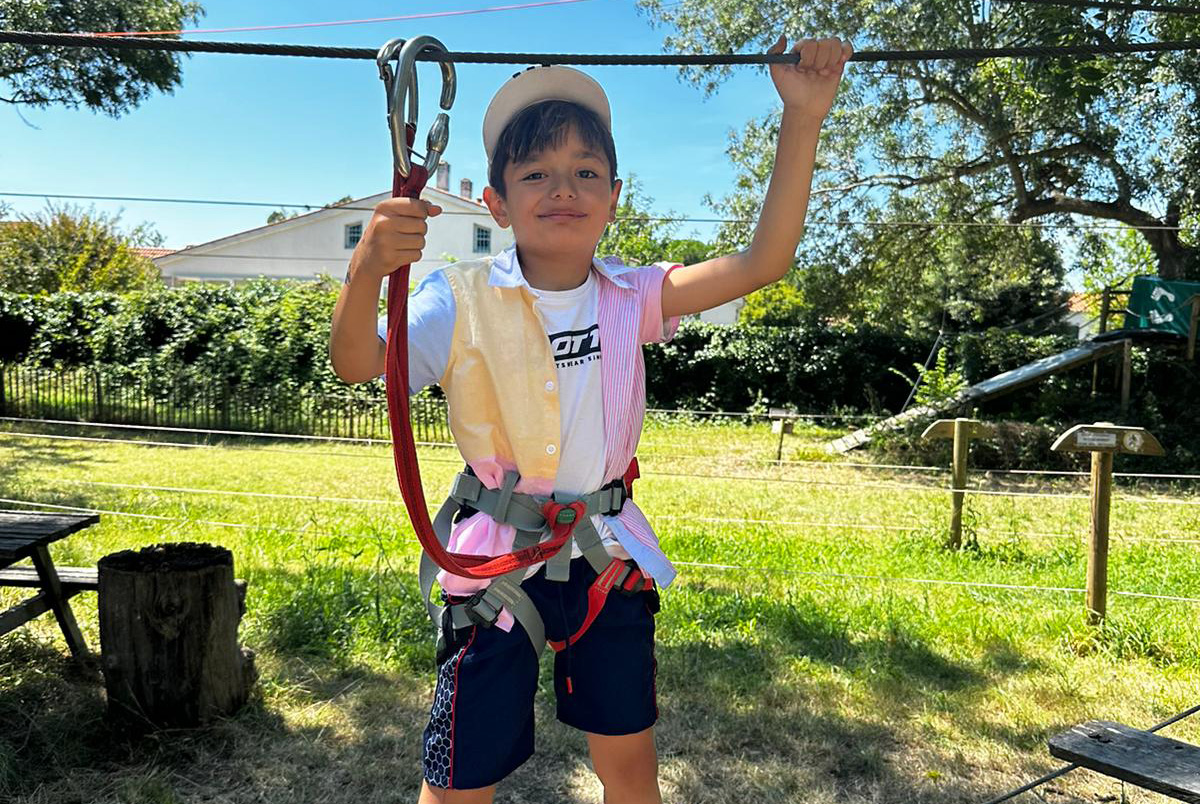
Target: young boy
(538, 351)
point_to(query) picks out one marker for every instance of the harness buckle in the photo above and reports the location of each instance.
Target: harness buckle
(639, 586)
(480, 611)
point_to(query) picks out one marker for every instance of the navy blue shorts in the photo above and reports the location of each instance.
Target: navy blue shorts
(481, 722)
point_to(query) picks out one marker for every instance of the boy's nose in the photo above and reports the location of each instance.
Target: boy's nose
(563, 187)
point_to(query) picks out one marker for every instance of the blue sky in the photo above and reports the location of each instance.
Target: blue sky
(300, 130)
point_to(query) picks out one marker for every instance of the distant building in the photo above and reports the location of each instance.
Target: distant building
(1081, 316)
(321, 242)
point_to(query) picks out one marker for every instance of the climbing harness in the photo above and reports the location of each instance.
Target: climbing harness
(526, 513)
(544, 526)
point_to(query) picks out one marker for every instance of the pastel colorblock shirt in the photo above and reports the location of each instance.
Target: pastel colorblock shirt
(477, 329)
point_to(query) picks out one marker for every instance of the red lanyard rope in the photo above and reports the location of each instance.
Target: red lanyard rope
(404, 449)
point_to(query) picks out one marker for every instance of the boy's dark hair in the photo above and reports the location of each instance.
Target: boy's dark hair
(546, 125)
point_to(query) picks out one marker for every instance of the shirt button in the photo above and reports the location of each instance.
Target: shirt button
(549, 386)
(551, 449)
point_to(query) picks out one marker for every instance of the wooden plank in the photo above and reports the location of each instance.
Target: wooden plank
(22, 613)
(43, 518)
(1139, 757)
(14, 551)
(58, 600)
(79, 578)
(54, 526)
(27, 610)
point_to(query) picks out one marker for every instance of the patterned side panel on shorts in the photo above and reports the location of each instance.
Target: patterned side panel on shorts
(439, 734)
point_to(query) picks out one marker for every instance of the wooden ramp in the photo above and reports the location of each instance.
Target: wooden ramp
(1147, 760)
(999, 385)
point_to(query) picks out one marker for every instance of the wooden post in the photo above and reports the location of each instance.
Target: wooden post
(168, 636)
(1103, 440)
(1193, 326)
(1126, 375)
(1104, 302)
(1097, 567)
(961, 430)
(781, 422)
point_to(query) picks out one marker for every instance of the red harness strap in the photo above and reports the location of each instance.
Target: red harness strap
(598, 594)
(404, 449)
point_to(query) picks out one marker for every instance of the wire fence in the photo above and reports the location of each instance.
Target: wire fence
(110, 396)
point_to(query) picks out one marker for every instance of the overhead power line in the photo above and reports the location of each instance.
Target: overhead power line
(620, 219)
(1108, 5)
(594, 59)
(427, 15)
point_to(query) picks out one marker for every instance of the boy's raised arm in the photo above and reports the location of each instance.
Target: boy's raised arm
(807, 90)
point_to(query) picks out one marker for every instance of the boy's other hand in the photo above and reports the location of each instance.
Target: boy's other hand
(394, 237)
(810, 85)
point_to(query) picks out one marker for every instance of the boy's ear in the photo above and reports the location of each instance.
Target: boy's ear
(496, 206)
(616, 198)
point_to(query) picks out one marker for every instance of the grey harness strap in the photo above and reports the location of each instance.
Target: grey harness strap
(523, 512)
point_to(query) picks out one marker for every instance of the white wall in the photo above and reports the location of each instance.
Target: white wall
(314, 244)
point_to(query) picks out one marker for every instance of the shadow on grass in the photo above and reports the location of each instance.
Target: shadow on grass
(760, 634)
(346, 657)
(31, 455)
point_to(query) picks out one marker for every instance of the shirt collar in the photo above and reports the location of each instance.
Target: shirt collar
(506, 270)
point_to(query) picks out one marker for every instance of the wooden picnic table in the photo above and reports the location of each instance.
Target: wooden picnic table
(28, 534)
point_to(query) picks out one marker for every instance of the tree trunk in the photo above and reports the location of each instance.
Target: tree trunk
(1175, 260)
(168, 636)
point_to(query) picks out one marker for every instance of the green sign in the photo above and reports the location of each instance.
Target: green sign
(1161, 305)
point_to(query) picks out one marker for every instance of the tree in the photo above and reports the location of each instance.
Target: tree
(903, 273)
(638, 236)
(1111, 137)
(104, 80)
(70, 249)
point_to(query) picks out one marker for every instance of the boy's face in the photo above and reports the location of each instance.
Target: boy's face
(557, 201)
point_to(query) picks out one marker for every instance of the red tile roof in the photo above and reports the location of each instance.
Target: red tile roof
(152, 252)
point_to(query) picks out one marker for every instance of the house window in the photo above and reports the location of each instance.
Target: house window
(353, 234)
(483, 240)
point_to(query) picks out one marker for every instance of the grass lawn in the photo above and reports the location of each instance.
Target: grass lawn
(793, 668)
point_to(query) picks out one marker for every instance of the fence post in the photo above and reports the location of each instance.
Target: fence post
(1126, 375)
(1103, 440)
(782, 422)
(961, 430)
(1193, 326)
(1103, 327)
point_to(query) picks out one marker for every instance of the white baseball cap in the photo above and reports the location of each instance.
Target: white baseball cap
(538, 84)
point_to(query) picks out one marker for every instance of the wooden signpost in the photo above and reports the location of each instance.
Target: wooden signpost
(783, 423)
(1103, 440)
(961, 431)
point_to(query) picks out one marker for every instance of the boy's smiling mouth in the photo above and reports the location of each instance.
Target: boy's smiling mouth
(563, 215)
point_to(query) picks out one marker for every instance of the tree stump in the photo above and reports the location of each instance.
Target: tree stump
(169, 616)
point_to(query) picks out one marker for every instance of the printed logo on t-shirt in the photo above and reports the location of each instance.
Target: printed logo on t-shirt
(576, 347)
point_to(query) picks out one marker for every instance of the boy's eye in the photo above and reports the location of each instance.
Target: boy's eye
(537, 174)
(585, 173)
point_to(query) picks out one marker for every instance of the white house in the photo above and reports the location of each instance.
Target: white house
(321, 242)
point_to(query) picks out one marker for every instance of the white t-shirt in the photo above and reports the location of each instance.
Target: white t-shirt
(571, 324)
(571, 321)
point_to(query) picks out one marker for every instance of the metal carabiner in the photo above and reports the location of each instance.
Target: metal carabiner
(401, 87)
(386, 53)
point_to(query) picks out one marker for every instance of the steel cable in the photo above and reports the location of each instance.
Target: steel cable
(593, 59)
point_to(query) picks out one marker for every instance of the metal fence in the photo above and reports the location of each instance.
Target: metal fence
(109, 395)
